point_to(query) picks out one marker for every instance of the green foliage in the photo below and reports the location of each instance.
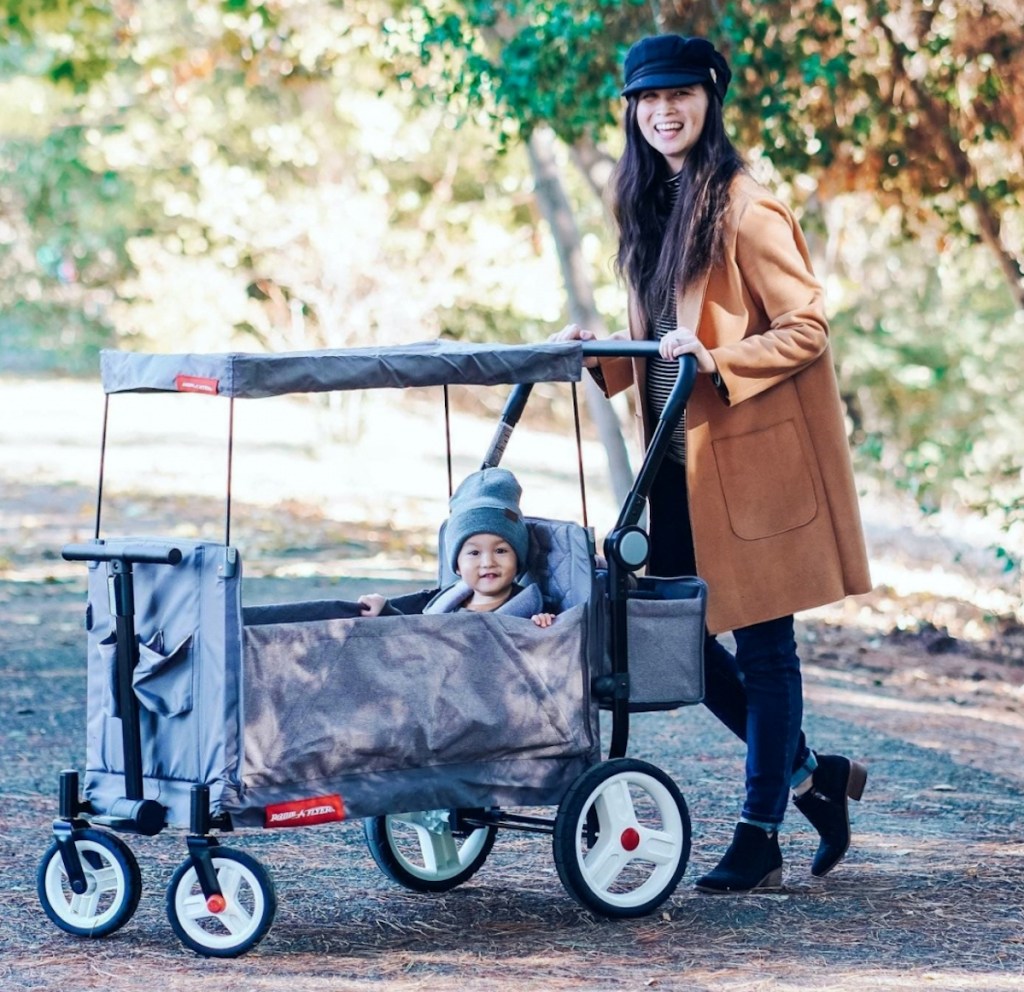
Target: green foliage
(908, 103)
(297, 173)
(521, 62)
(236, 179)
(71, 44)
(929, 361)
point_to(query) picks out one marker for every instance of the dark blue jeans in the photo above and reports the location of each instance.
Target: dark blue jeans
(758, 692)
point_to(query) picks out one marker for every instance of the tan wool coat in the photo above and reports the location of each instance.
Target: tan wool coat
(773, 504)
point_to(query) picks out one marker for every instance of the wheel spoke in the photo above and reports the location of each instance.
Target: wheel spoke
(614, 807)
(194, 907)
(604, 862)
(235, 919)
(229, 878)
(433, 820)
(657, 846)
(440, 852)
(86, 904)
(106, 879)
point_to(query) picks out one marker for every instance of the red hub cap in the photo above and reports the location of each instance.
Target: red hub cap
(630, 839)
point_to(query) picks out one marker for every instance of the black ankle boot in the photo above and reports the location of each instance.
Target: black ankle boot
(835, 780)
(753, 861)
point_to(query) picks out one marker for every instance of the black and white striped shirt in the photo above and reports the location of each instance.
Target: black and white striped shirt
(662, 374)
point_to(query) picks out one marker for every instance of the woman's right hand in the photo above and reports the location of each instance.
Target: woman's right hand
(372, 603)
(573, 332)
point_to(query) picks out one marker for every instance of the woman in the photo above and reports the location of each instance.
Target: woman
(757, 495)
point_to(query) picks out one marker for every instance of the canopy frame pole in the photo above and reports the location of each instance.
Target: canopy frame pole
(448, 438)
(231, 451)
(103, 458)
(579, 453)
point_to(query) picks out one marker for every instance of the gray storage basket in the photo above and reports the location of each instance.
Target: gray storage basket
(665, 632)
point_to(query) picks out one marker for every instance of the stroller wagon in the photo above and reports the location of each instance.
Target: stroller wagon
(210, 715)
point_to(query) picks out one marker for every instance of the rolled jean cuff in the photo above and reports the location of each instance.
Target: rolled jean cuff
(804, 771)
(769, 828)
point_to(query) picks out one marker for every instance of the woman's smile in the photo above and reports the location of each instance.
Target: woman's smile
(487, 564)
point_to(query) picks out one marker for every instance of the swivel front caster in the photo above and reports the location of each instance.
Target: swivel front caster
(111, 885)
(230, 923)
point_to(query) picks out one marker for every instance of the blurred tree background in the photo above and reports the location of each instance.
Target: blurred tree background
(218, 174)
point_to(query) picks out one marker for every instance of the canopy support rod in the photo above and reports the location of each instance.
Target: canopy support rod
(579, 452)
(231, 449)
(448, 439)
(103, 458)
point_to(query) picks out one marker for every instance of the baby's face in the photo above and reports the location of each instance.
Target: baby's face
(487, 564)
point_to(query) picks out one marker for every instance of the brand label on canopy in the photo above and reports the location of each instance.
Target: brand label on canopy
(196, 384)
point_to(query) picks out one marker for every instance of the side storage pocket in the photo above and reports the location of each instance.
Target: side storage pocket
(107, 649)
(665, 625)
(163, 679)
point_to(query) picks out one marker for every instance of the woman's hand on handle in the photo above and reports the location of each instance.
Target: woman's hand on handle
(573, 332)
(682, 341)
(372, 603)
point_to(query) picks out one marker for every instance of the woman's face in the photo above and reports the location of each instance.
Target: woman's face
(671, 121)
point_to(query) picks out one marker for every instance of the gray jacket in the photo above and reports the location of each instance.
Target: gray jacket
(525, 601)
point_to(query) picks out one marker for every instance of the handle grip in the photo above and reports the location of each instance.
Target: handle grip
(129, 554)
(615, 348)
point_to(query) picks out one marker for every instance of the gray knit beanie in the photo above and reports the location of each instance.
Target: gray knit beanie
(487, 502)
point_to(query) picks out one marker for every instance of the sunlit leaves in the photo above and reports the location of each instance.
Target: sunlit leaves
(523, 62)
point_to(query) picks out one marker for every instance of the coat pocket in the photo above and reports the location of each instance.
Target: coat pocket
(766, 480)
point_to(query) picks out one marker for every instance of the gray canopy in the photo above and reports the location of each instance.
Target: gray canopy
(425, 363)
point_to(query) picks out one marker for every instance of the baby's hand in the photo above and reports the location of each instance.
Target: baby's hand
(543, 619)
(372, 603)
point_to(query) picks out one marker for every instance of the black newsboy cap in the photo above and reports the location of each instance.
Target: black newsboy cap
(666, 60)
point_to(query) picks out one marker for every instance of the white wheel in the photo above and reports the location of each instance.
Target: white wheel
(113, 885)
(622, 838)
(236, 926)
(421, 852)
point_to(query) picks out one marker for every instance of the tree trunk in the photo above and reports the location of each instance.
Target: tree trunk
(557, 211)
(595, 164)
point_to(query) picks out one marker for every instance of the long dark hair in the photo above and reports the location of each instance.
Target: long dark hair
(660, 252)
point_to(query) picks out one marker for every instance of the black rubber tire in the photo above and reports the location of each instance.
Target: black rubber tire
(252, 904)
(622, 838)
(115, 885)
(461, 861)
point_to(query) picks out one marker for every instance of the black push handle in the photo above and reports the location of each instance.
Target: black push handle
(129, 554)
(636, 500)
(620, 348)
(517, 398)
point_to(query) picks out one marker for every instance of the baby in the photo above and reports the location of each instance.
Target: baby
(487, 544)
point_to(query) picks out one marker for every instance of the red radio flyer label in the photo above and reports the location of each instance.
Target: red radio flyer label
(196, 384)
(305, 812)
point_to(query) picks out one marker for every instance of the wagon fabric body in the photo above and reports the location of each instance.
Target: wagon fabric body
(297, 717)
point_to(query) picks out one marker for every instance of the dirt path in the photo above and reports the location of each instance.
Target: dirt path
(931, 896)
